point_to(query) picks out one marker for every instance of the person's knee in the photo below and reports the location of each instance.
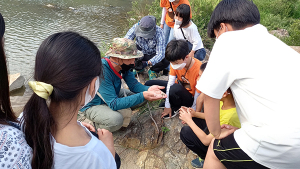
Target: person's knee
(112, 123)
(115, 122)
(149, 83)
(185, 132)
(201, 54)
(175, 88)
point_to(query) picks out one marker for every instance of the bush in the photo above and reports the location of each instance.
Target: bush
(201, 11)
(294, 38)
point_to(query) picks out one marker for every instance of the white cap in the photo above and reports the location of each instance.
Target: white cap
(171, 0)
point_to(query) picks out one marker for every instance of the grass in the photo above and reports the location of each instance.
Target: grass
(153, 107)
(281, 14)
(275, 14)
(165, 129)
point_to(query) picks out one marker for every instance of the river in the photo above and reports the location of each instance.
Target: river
(29, 22)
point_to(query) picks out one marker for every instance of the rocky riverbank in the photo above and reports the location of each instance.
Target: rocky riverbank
(146, 143)
(140, 146)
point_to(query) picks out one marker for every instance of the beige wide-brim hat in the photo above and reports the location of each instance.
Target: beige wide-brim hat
(124, 48)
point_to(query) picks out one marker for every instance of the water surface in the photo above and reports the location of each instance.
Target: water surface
(28, 22)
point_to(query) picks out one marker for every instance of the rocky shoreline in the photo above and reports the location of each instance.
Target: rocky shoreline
(141, 145)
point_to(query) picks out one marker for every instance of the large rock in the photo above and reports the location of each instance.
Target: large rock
(142, 132)
(16, 81)
(280, 33)
(141, 147)
(207, 55)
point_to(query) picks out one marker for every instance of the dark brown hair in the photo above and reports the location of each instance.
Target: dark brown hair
(184, 11)
(237, 13)
(69, 62)
(176, 50)
(6, 113)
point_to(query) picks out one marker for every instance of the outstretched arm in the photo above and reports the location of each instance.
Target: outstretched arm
(199, 114)
(205, 139)
(186, 116)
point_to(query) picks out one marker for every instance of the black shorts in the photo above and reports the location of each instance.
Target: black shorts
(232, 156)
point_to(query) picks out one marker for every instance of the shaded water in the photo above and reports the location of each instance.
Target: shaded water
(28, 22)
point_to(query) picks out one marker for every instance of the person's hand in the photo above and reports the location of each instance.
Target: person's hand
(149, 63)
(226, 126)
(161, 26)
(154, 95)
(107, 138)
(88, 126)
(155, 88)
(224, 133)
(191, 54)
(226, 130)
(185, 115)
(190, 110)
(167, 111)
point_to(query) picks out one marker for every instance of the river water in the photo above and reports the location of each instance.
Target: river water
(29, 22)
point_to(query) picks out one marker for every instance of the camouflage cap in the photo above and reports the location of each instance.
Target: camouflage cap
(124, 48)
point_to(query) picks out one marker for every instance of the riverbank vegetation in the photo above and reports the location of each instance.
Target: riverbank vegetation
(275, 14)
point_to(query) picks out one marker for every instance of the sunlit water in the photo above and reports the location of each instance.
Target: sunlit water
(29, 22)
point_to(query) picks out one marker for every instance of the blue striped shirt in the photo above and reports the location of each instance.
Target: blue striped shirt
(155, 45)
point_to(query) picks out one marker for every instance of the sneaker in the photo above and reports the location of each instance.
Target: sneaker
(197, 163)
(152, 74)
(174, 113)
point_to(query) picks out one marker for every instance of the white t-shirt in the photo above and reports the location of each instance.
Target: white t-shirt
(263, 74)
(191, 34)
(14, 151)
(94, 155)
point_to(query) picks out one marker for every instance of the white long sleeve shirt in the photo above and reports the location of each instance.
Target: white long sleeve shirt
(192, 35)
(170, 83)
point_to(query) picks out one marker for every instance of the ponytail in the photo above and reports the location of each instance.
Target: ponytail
(37, 114)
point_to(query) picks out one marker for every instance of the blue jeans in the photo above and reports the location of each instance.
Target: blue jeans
(199, 54)
(169, 33)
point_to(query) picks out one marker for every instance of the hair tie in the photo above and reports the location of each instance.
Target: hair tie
(42, 89)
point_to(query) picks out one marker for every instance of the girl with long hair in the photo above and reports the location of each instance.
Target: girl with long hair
(67, 72)
(184, 28)
(14, 151)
